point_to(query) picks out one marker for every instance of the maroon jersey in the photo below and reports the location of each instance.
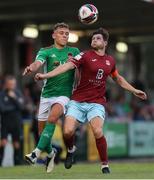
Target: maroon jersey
(94, 70)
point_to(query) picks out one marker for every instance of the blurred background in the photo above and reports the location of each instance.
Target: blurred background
(26, 26)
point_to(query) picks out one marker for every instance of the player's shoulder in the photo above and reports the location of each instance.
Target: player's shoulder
(72, 48)
(84, 53)
(88, 52)
(110, 57)
(47, 48)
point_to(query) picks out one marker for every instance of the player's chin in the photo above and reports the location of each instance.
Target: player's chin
(63, 43)
(95, 48)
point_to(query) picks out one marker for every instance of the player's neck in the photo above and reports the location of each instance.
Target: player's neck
(100, 52)
(58, 46)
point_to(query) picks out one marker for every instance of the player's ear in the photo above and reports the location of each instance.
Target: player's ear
(53, 35)
(106, 43)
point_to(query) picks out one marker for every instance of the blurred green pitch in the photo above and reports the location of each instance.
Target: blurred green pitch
(121, 170)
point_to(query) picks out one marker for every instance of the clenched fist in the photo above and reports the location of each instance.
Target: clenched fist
(39, 76)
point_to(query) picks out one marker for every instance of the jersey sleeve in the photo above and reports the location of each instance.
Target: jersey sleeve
(78, 59)
(77, 51)
(41, 56)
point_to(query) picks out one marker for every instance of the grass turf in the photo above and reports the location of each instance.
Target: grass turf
(121, 170)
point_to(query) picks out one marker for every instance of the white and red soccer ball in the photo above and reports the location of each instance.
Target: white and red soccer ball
(88, 14)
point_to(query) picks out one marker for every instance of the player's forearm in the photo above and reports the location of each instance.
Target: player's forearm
(124, 84)
(35, 66)
(60, 69)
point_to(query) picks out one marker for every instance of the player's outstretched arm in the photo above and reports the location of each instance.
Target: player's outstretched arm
(59, 70)
(124, 84)
(32, 68)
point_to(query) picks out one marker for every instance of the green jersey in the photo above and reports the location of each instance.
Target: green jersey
(62, 84)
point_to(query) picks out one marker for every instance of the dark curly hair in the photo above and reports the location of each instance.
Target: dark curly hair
(103, 32)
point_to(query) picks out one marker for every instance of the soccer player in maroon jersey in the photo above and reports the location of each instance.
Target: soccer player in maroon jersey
(88, 99)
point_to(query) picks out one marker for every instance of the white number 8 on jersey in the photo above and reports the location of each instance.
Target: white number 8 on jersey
(99, 74)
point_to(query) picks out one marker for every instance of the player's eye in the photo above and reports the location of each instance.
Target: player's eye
(66, 34)
(61, 33)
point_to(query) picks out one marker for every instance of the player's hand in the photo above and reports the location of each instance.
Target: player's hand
(140, 94)
(28, 70)
(39, 76)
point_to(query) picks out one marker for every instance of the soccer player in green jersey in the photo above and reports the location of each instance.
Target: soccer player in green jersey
(55, 92)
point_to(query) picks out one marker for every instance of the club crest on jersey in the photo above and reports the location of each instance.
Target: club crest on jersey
(70, 54)
(56, 63)
(108, 62)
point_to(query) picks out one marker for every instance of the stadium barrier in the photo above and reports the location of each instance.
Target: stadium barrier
(141, 139)
(134, 139)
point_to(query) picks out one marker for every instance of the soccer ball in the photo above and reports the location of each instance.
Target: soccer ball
(88, 14)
